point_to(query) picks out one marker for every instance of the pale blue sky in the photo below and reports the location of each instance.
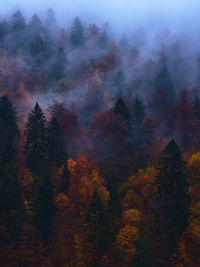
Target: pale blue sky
(120, 13)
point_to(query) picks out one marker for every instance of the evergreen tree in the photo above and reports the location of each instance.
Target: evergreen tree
(36, 141)
(8, 131)
(50, 19)
(11, 204)
(37, 46)
(163, 81)
(56, 144)
(77, 34)
(18, 22)
(103, 41)
(114, 202)
(99, 226)
(137, 113)
(4, 29)
(120, 108)
(196, 107)
(143, 256)
(58, 67)
(35, 25)
(45, 209)
(12, 211)
(119, 82)
(124, 44)
(171, 201)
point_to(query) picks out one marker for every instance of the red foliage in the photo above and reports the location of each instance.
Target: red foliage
(68, 120)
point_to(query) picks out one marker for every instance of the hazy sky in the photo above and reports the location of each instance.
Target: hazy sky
(120, 13)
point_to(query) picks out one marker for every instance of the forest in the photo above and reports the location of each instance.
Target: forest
(99, 147)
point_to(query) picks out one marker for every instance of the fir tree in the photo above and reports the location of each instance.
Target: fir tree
(36, 141)
(120, 108)
(35, 25)
(18, 22)
(45, 209)
(58, 67)
(50, 19)
(99, 226)
(4, 29)
(171, 201)
(143, 256)
(124, 44)
(103, 41)
(37, 46)
(119, 82)
(12, 211)
(77, 34)
(56, 144)
(163, 81)
(8, 131)
(196, 107)
(137, 113)
(11, 204)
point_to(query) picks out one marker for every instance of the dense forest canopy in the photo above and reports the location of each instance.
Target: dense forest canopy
(99, 146)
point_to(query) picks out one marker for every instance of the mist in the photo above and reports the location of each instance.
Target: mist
(122, 15)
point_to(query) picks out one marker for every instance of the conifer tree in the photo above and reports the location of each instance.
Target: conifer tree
(45, 209)
(4, 29)
(171, 201)
(11, 204)
(99, 226)
(36, 141)
(8, 131)
(196, 107)
(163, 81)
(12, 212)
(120, 108)
(58, 67)
(50, 18)
(137, 113)
(35, 25)
(103, 41)
(143, 256)
(56, 144)
(119, 82)
(77, 34)
(18, 22)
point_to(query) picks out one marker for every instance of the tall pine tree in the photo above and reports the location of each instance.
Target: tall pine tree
(99, 226)
(8, 131)
(171, 202)
(36, 151)
(56, 144)
(196, 107)
(143, 256)
(77, 34)
(121, 109)
(137, 113)
(45, 209)
(18, 22)
(11, 204)
(59, 64)
(163, 81)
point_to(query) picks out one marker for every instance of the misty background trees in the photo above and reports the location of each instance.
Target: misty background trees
(99, 147)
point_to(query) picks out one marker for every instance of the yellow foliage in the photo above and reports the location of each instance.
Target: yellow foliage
(133, 217)
(194, 163)
(104, 195)
(139, 188)
(71, 167)
(127, 237)
(84, 251)
(132, 199)
(29, 189)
